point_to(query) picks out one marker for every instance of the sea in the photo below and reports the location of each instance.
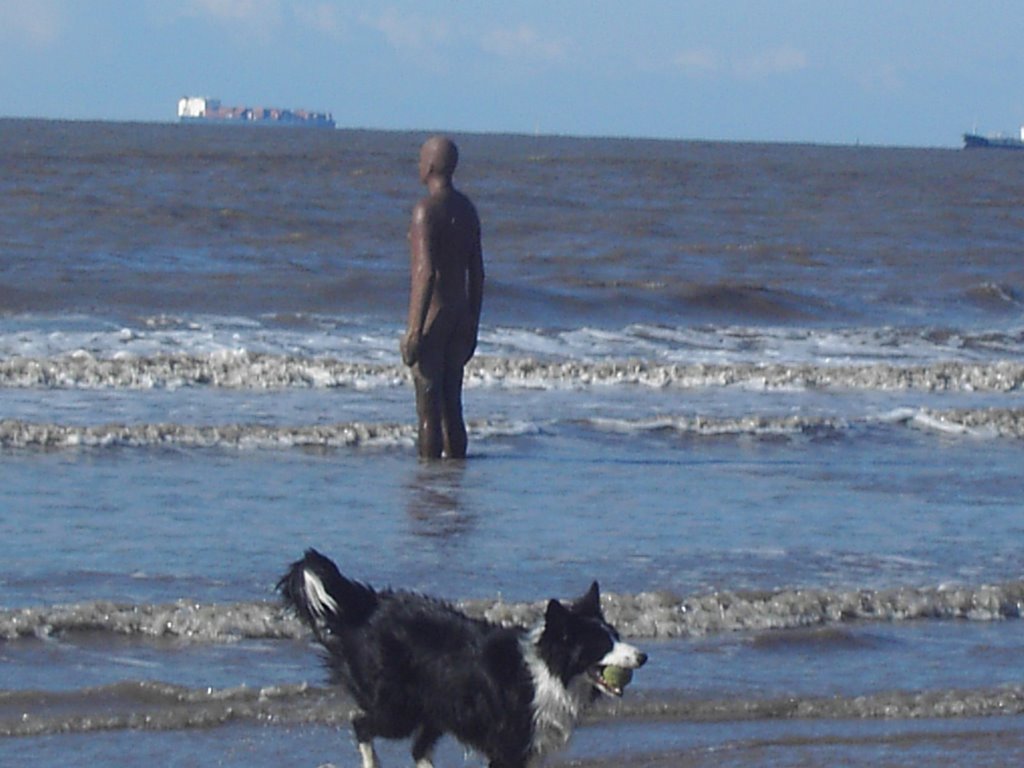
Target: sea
(769, 396)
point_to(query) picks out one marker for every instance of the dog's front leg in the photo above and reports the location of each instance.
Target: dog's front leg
(369, 754)
(364, 738)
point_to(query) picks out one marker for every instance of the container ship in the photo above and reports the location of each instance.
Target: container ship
(976, 141)
(197, 109)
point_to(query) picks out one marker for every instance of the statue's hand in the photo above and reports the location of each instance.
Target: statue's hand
(410, 348)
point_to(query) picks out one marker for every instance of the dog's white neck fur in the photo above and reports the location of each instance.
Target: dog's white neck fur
(555, 707)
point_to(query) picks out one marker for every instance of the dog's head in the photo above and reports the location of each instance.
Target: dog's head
(577, 643)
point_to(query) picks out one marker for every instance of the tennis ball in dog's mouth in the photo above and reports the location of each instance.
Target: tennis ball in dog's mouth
(617, 677)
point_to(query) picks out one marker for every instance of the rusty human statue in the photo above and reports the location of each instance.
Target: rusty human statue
(444, 301)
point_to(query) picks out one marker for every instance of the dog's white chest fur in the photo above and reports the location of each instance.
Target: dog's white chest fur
(555, 707)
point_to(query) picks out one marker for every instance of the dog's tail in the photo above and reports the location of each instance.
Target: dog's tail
(323, 598)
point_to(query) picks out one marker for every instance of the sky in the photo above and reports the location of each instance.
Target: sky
(878, 72)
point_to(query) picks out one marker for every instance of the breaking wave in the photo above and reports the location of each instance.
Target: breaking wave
(146, 705)
(20, 434)
(252, 370)
(225, 369)
(935, 377)
(643, 615)
(985, 702)
(986, 422)
(141, 705)
(28, 435)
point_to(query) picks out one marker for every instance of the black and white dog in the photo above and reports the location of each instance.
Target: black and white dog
(418, 667)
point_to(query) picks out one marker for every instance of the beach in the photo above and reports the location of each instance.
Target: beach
(770, 396)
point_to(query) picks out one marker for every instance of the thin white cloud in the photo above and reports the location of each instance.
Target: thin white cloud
(881, 77)
(776, 61)
(439, 42)
(259, 18)
(236, 10)
(696, 62)
(523, 43)
(324, 17)
(263, 19)
(409, 33)
(37, 23)
(703, 62)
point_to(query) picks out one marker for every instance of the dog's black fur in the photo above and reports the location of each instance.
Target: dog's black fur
(418, 667)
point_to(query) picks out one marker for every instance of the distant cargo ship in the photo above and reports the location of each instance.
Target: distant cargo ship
(196, 109)
(975, 141)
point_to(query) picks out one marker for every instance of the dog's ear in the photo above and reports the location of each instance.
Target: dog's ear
(556, 618)
(590, 603)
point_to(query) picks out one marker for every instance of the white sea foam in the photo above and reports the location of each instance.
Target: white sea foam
(642, 615)
(15, 433)
(710, 426)
(362, 340)
(156, 706)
